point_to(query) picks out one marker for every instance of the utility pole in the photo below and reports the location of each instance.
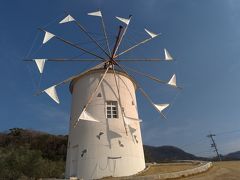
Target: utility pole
(214, 145)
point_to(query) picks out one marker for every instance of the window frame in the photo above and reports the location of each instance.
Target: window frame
(112, 109)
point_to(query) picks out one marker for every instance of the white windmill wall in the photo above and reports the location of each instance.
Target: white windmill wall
(104, 156)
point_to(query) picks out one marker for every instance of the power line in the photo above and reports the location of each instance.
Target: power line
(202, 140)
(228, 132)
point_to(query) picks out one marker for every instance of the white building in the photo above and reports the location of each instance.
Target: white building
(113, 145)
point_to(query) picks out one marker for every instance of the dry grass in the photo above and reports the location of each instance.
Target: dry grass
(165, 168)
(226, 170)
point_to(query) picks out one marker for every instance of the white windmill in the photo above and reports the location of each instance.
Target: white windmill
(104, 130)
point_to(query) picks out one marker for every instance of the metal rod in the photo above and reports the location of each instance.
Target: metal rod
(85, 31)
(117, 41)
(76, 46)
(143, 92)
(121, 38)
(139, 59)
(91, 97)
(64, 60)
(136, 45)
(72, 77)
(105, 34)
(119, 99)
(146, 75)
(76, 60)
(126, 87)
(151, 77)
(151, 102)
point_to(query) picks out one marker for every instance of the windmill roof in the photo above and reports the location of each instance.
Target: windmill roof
(72, 83)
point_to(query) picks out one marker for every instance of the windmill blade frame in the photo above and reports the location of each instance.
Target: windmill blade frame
(119, 99)
(92, 95)
(75, 46)
(123, 34)
(89, 60)
(103, 27)
(143, 92)
(71, 78)
(134, 46)
(90, 37)
(170, 83)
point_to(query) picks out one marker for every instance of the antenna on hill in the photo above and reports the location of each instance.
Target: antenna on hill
(214, 145)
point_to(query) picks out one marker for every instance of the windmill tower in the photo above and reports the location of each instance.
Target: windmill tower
(107, 139)
(104, 129)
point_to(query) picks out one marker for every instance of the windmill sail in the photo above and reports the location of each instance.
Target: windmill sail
(161, 107)
(97, 13)
(128, 120)
(153, 35)
(47, 37)
(113, 134)
(87, 117)
(132, 130)
(173, 81)
(40, 64)
(168, 57)
(124, 20)
(52, 93)
(67, 19)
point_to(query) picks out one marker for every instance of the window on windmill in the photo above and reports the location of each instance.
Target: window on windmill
(112, 109)
(99, 95)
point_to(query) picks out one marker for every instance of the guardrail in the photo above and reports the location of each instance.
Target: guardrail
(202, 168)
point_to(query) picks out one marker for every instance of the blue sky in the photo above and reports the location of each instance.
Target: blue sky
(202, 35)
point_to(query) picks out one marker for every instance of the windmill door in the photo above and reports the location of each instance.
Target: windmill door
(74, 161)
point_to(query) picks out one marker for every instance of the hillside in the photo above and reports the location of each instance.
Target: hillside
(54, 147)
(232, 156)
(166, 153)
(27, 154)
(33, 154)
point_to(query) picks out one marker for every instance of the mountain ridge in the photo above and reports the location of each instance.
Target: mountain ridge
(54, 147)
